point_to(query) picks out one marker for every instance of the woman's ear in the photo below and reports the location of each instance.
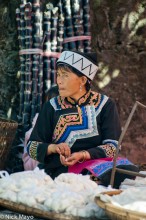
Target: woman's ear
(83, 80)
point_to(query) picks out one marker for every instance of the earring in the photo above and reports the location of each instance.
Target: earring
(80, 88)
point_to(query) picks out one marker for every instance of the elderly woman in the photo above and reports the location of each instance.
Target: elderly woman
(79, 129)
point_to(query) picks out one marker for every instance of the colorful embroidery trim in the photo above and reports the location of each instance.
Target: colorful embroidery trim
(64, 124)
(108, 149)
(81, 101)
(110, 141)
(102, 99)
(32, 149)
(95, 99)
(84, 127)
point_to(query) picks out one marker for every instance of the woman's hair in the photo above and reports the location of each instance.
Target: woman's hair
(66, 67)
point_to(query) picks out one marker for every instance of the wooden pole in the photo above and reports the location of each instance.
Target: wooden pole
(121, 138)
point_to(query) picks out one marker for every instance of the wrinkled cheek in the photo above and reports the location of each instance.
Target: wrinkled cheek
(64, 93)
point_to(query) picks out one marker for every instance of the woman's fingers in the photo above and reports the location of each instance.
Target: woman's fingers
(62, 159)
(66, 158)
(58, 150)
(63, 149)
(67, 151)
(75, 157)
(69, 161)
(71, 158)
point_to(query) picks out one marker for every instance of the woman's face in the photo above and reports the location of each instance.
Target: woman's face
(69, 84)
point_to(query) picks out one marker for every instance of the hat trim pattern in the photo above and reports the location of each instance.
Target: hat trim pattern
(79, 62)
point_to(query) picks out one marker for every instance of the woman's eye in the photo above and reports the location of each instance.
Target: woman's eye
(62, 75)
(65, 75)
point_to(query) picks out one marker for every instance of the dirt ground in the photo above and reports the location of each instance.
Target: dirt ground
(125, 93)
(125, 54)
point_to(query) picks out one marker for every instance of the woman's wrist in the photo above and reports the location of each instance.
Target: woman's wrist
(51, 149)
(82, 157)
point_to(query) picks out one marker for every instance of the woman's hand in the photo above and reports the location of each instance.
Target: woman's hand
(72, 159)
(80, 157)
(62, 149)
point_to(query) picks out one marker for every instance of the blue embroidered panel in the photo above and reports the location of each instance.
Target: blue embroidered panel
(103, 167)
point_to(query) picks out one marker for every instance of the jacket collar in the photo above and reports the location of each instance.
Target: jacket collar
(81, 101)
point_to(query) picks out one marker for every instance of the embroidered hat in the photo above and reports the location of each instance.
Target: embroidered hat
(85, 63)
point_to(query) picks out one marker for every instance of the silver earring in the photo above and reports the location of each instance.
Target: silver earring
(80, 88)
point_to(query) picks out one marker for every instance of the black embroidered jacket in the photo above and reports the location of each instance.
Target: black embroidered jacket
(90, 124)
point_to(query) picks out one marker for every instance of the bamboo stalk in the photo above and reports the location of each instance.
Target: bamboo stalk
(60, 28)
(22, 65)
(86, 24)
(68, 31)
(21, 38)
(47, 47)
(77, 23)
(37, 71)
(54, 21)
(28, 65)
(36, 79)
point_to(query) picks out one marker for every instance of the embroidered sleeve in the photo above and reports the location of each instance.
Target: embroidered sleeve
(102, 151)
(110, 132)
(32, 149)
(41, 135)
(109, 147)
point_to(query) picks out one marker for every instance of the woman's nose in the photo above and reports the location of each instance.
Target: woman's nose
(59, 81)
